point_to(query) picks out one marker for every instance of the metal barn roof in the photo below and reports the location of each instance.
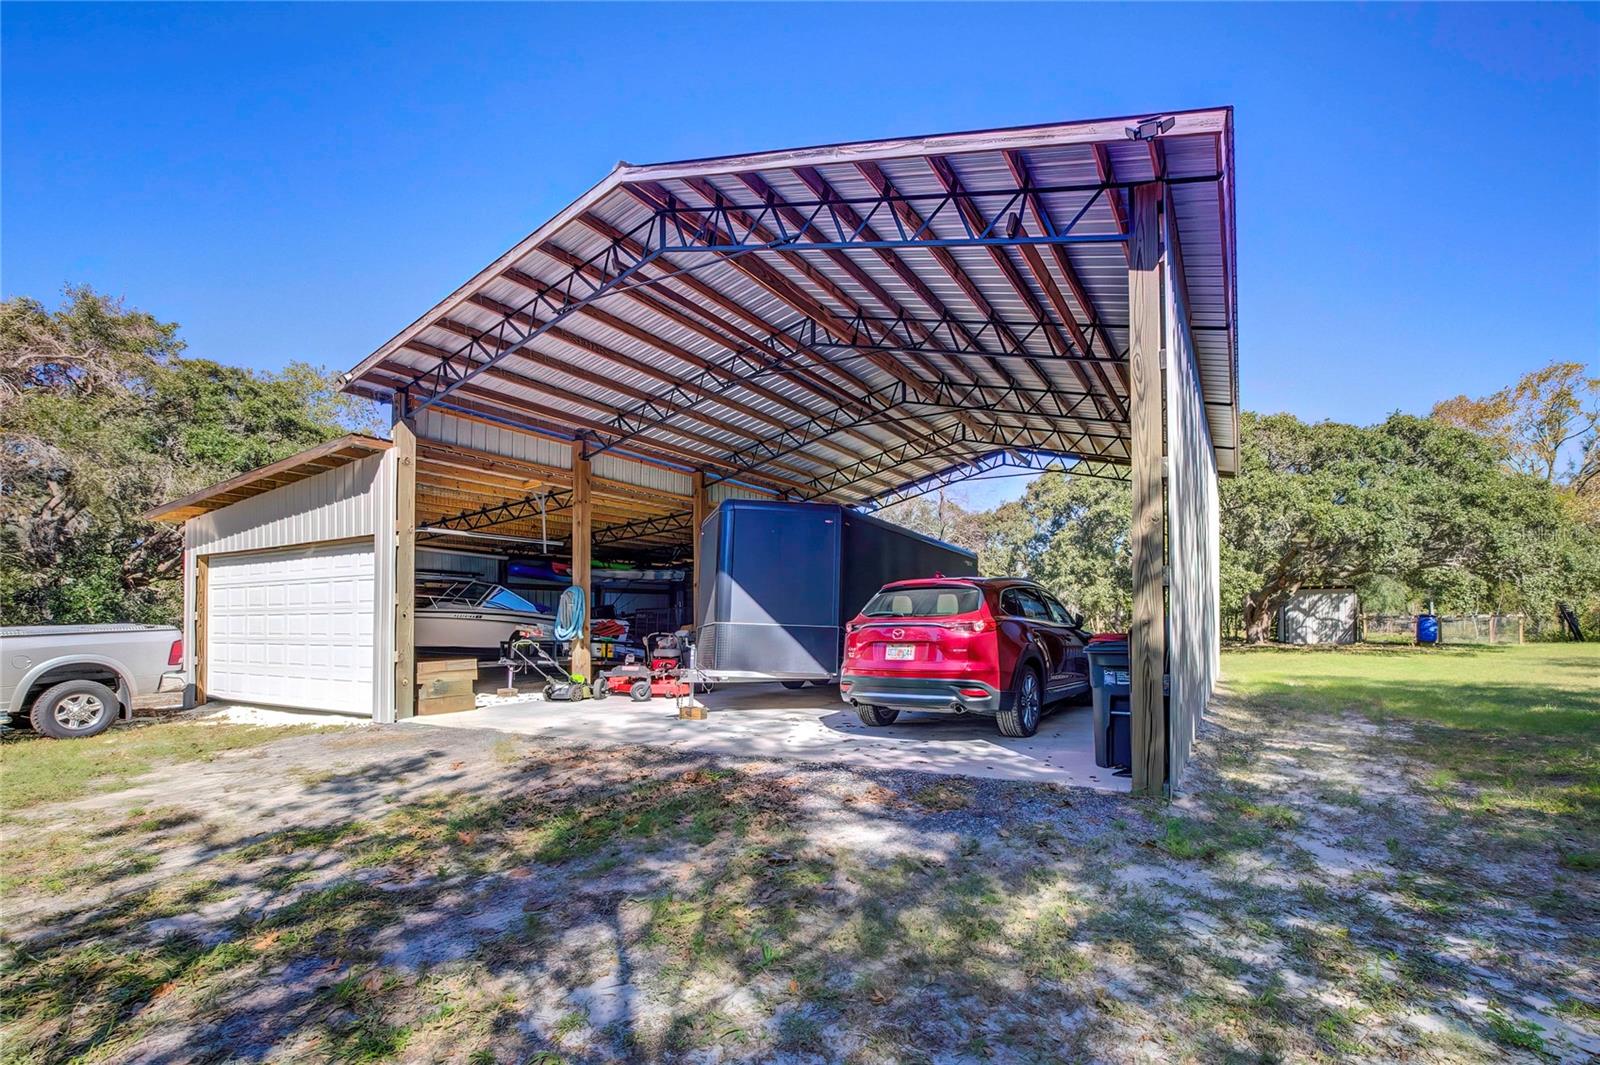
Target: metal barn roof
(838, 322)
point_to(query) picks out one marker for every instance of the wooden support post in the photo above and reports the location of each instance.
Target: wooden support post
(582, 528)
(404, 434)
(701, 508)
(1147, 640)
(202, 637)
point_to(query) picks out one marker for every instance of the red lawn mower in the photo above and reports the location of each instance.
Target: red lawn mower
(659, 675)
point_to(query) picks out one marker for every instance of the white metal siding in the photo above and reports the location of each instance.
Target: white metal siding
(355, 500)
(628, 471)
(530, 447)
(716, 493)
(432, 559)
(293, 627)
(1194, 643)
(497, 440)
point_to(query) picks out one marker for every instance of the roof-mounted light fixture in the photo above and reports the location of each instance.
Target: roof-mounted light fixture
(1150, 128)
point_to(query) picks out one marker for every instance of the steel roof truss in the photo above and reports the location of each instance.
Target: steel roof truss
(725, 231)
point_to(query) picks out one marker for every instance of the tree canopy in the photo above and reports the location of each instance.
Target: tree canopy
(1549, 412)
(102, 416)
(1408, 511)
(1412, 500)
(1490, 504)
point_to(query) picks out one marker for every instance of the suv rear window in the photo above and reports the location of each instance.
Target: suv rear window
(934, 602)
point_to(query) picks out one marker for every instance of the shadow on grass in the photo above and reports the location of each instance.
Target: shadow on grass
(650, 905)
(594, 907)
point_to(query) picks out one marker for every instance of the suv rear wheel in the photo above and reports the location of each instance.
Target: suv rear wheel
(876, 716)
(1027, 703)
(74, 710)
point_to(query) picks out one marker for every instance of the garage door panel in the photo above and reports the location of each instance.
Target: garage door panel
(293, 627)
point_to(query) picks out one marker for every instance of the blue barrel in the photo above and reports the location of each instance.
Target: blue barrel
(1427, 628)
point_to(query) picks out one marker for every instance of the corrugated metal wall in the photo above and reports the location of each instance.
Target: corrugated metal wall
(356, 500)
(529, 447)
(485, 566)
(1193, 630)
(628, 471)
(497, 440)
(716, 493)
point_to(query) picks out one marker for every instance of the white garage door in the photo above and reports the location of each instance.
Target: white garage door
(292, 627)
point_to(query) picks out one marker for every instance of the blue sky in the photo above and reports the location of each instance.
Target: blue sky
(1419, 187)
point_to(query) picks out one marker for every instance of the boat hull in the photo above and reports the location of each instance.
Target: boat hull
(481, 631)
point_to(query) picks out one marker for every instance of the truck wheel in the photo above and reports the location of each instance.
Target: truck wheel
(640, 691)
(793, 685)
(1027, 703)
(876, 716)
(75, 710)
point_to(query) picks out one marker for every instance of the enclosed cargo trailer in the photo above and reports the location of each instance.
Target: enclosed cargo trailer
(778, 582)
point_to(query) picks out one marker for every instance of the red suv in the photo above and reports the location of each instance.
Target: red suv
(1000, 647)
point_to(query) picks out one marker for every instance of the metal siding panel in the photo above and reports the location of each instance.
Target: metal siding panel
(444, 428)
(332, 505)
(723, 490)
(1192, 562)
(485, 566)
(645, 475)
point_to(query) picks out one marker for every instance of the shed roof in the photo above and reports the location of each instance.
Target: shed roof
(836, 322)
(297, 467)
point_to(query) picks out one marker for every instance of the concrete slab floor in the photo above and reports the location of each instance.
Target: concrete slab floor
(811, 725)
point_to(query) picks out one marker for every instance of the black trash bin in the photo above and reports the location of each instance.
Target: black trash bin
(1111, 682)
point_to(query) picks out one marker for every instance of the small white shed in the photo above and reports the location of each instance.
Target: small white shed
(1320, 615)
(288, 581)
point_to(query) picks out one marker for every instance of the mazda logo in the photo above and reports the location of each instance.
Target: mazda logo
(897, 633)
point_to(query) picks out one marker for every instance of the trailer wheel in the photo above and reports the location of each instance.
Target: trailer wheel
(793, 685)
(640, 691)
(876, 716)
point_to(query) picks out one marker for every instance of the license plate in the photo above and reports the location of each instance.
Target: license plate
(899, 652)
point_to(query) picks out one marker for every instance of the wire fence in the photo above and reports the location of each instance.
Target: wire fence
(1402, 628)
(1453, 628)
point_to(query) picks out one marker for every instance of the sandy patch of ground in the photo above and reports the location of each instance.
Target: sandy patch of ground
(397, 893)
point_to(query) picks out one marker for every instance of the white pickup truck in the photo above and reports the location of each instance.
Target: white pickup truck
(72, 681)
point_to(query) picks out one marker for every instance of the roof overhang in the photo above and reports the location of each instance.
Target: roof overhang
(839, 321)
(308, 463)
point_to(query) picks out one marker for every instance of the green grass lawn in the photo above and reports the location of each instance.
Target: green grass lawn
(1513, 732)
(34, 769)
(451, 895)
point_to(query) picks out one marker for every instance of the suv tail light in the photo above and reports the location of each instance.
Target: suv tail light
(175, 655)
(969, 628)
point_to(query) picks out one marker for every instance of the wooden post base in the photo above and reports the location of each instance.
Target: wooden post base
(691, 712)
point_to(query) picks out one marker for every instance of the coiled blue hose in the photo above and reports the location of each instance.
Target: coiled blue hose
(569, 614)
